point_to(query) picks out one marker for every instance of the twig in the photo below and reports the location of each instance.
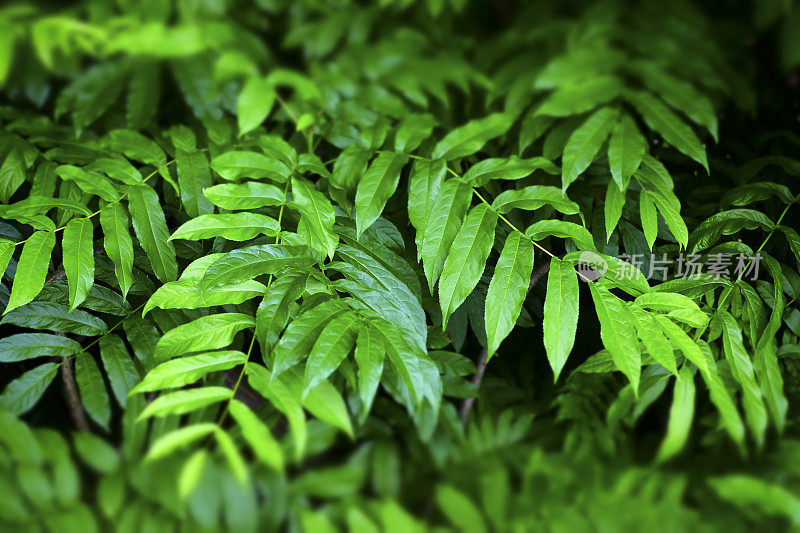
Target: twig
(71, 395)
(477, 379)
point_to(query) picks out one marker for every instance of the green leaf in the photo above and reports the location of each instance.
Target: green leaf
(232, 226)
(507, 289)
(412, 130)
(179, 438)
(185, 401)
(258, 436)
(31, 269)
(151, 230)
(119, 367)
(21, 395)
(376, 186)
(618, 333)
(24, 346)
(318, 213)
(612, 208)
(185, 370)
(743, 372)
(560, 313)
(681, 414)
(78, 257)
(284, 401)
(580, 97)
(117, 169)
(467, 259)
(626, 148)
(748, 492)
(194, 175)
(252, 261)
(469, 138)
(349, 167)
(448, 211)
(246, 195)
(55, 317)
(189, 294)
(331, 348)
(96, 452)
(565, 230)
(236, 165)
(423, 188)
(143, 94)
(369, 355)
(254, 104)
(89, 182)
(659, 117)
(273, 312)
(654, 340)
(533, 197)
(647, 212)
(511, 168)
(459, 510)
(299, 338)
(585, 142)
(12, 175)
(92, 388)
(205, 333)
(118, 244)
(323, 401)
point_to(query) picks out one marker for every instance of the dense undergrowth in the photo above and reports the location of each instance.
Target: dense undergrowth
(311, 266)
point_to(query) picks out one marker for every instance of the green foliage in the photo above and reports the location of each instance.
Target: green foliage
(321, 266)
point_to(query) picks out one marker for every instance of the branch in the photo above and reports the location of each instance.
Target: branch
(71, 395)
(477, 379)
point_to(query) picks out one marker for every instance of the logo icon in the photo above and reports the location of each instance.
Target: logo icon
(591, 266)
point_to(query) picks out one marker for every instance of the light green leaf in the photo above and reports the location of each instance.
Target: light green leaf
(369, 357)
(254, 104)
(448, 211)
(92, 388)
(179, 438)
(246, 195)
(376, 186)
(467, 259)
(302, 333)
(511, 168)
(612, 208)
(323, 401)
(205, 333)
(507, 289)
(118, 244)
(349, 167)
(55, 317)
(247, 263)
(659, 117)
(560, 313)
(189, 294)
(232, 226)
(618, 333)
(235, 165)
(89, 182)
(331, 348)
(318, 213)
(284, 401)
(626, 148)
(469, 138)
(194, 175)
(31, 269)
(654, 340)
(748, 492)
(581, 96)
(185, 370)
(151, 230)
(257, 435)
(647, 212)
(412, 130)
(681, 414)
(273, 311)
(584, 143)
(423, 188)
(565, 230)
(185, 401)
(533, 197)
(459, 510)
(78, 257)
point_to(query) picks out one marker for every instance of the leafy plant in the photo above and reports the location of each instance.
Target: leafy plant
(312, 266)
